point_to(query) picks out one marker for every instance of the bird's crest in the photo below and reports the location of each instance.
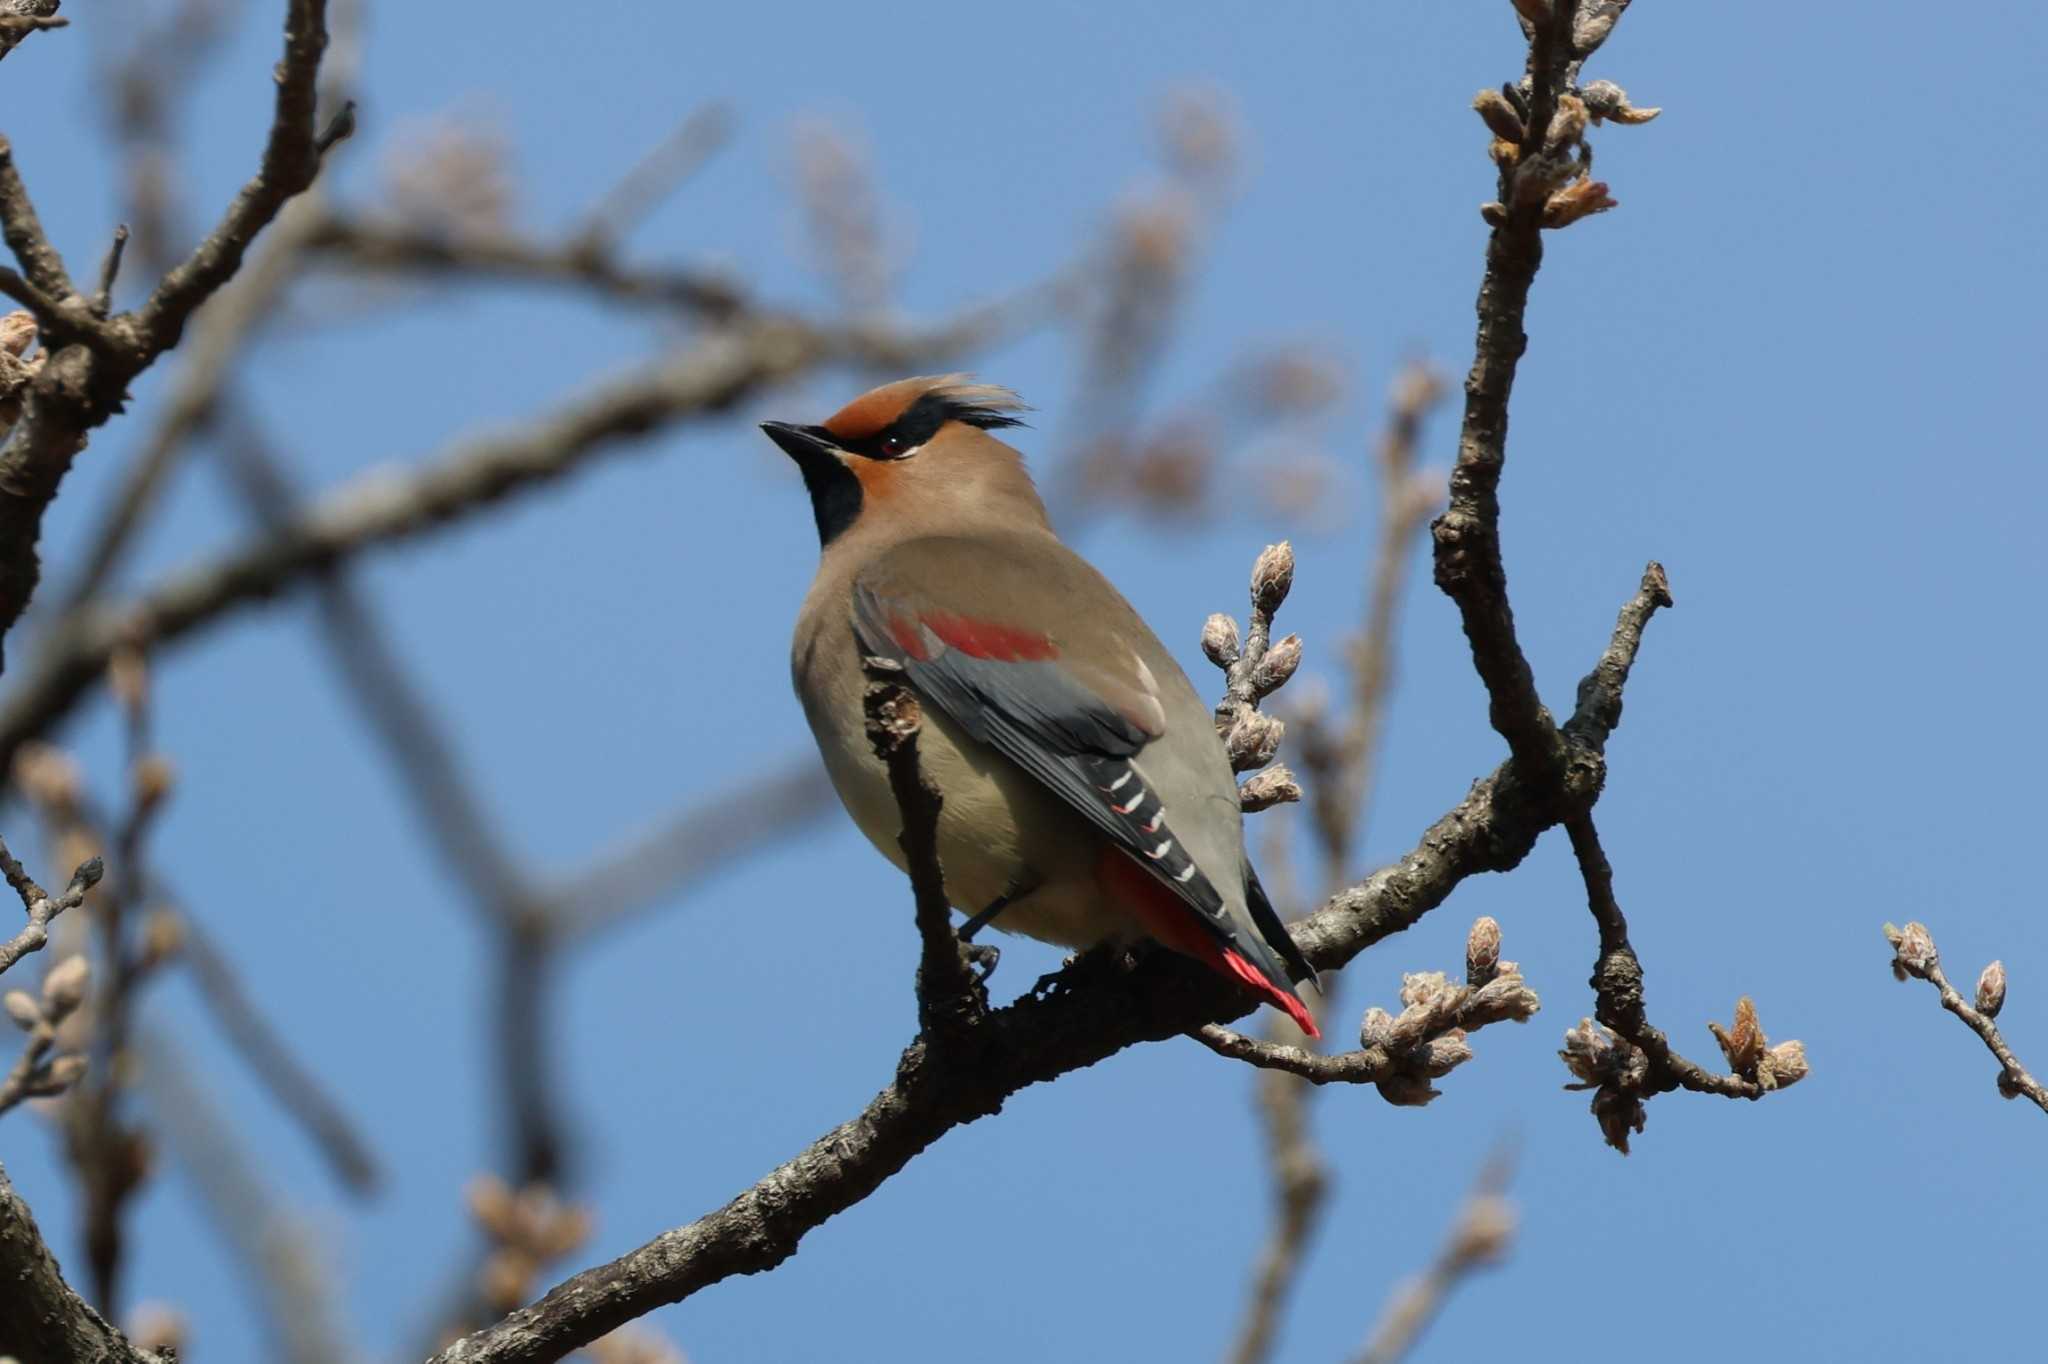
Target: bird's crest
(921, 405)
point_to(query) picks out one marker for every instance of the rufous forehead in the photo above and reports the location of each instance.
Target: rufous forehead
(874, 411)
(878, 477)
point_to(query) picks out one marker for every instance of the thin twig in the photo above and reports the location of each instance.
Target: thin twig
(278, 1252)
(948, 995)
(40, 906)
(1341, 770)
(219, 338)
(24, 231)
(80, 386)
(291, 158)
(701, 382)
(256, 1040)
(1426, 1041)
(15, 27)
(655, 176)
(1914, 954)
(370, 246)
(110, 270)
(1480, 1239)
(737, 820)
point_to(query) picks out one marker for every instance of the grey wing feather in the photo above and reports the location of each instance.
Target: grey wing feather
(1071, 740)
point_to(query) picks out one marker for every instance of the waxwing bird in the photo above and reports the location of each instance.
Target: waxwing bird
(1085, 793)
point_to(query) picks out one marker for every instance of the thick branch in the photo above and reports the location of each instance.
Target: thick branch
(40, 1317)
(703, 381)
(1468, 551)
(91, 361)
(1034, 1040)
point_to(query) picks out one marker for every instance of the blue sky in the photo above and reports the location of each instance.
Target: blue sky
(1793, 365)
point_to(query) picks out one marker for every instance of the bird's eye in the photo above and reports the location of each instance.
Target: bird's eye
(893, 446)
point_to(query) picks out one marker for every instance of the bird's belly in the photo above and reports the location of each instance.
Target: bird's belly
(987, 804)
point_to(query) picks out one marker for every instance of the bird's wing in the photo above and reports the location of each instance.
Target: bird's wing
(1000, 670)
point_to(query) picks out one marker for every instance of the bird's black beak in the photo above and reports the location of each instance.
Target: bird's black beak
(804, 444)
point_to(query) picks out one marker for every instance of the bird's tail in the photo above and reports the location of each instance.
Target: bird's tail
(1172, 922)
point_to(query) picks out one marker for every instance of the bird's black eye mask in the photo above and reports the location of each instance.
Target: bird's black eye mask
(921, 421)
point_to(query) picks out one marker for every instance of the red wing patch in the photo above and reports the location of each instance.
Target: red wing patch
(988, 639)
(908, 638)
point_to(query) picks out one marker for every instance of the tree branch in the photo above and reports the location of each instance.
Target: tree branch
(704, 380)
(1038, 1038)
(1914, 955)
(1340, 771)
(1480, 1239)
(39, 904)
(294, 1088)
(91, 362)
(390, 246)
(40, 1317)
(949, 997)
(1403, 1054)
(28, 16)
(291, 158)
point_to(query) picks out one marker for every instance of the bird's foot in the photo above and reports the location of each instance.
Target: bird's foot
(1105, 960)
(982, 957)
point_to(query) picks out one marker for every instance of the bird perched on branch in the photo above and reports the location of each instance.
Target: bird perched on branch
(1085, 794)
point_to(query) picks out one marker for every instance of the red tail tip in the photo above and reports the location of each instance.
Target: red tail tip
(1285, 999)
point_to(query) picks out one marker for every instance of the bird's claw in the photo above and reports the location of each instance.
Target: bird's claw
(1103, 959)
(982, 957)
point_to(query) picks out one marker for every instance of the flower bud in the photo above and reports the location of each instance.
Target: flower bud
(17, 330)
(67, 1071)
(1423, 987)
(1482, 950)
(1263, 790)
(1277, 666)
(163, 936)
(1485, 1231)
(153, 777)
(1253, 741)
(1499, 116)
(1991, 990)
(1406, 1091)
(1606, 100)
(1272, 576)
(1219, 640)
(1784, 1064)
(492, 1205)
(128, 677)
(48, 776)
(1444, 1054)
(1743, 1043)
(1914, 950)
(1588, 1053)
(23, 1009)
(64, 986)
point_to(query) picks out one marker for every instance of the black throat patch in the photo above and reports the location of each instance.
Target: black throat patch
(835, 492)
